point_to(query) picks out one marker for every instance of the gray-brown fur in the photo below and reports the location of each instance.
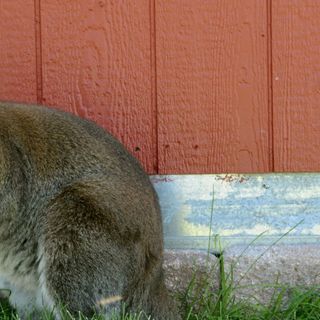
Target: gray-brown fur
(79, 219)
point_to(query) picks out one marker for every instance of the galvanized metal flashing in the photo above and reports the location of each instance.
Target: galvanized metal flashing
(238, 209)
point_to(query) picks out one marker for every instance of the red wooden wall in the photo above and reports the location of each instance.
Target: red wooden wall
(189, 86)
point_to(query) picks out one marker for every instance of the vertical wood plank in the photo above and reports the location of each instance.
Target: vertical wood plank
(212, 86)
(97, 64)
(296, 84)
(17, 51)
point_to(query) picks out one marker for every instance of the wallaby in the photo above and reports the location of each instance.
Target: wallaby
(80, 222)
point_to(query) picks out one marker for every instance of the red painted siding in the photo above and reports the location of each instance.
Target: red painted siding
(196, 86)
(97, 63)
(296, 84)
(212, 86)
(17, 51)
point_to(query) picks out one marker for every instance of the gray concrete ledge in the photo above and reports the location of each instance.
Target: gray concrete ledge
(181, 266)
(257, 271)
(261, 269)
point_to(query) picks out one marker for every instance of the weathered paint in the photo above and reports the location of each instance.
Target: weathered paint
(243, 208)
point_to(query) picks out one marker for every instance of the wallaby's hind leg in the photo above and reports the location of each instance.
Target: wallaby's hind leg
(65, 284)
(97, 254)
(80, 264)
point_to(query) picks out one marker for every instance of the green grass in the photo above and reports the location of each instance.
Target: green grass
(302, 305)
(286, 303)
(200, 302)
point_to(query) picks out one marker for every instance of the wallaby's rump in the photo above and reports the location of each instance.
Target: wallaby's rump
(80, 221)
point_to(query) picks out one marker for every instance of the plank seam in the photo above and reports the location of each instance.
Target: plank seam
(38, 45)
(270, 86)
(154, 93)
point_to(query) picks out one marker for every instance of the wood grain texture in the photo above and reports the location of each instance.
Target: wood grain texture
(296, 84)
(212, 86)
(17, 51)
(97, 64)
